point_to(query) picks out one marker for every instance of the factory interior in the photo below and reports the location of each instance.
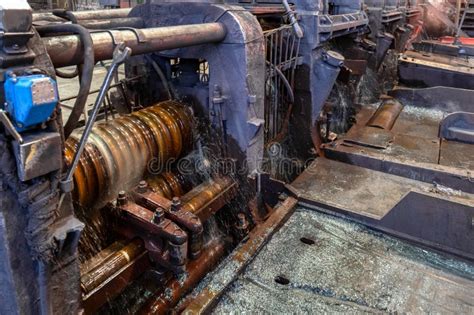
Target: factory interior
(236, 156)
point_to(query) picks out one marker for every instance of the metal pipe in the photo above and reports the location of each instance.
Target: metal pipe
(46, 17)
(177, 287)
(67, 50)
(101, 24)
(93, 14)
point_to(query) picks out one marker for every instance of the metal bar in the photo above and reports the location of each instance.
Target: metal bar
(458, 12)
(120, 54)
(111, 265)
(9, 126)
(116, 283)
(67, 50)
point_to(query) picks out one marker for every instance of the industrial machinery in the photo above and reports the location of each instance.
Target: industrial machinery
(229, 155)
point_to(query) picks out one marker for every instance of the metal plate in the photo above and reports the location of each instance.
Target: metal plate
(43, 91)
(429, 214)
(39, 154)
(348, 269)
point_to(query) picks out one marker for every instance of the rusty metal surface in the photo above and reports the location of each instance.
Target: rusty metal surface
(453, 177)
(149, 226)
(334, 266)
(111, 265)
(108, 267)
(352, 188)
(413, 153)
(118, 152)
(173, 210)
(103, 24)
(430, 214)
(177, 287)
(386, 115)
(418, 122)
(368, 136)
(267, 9)
(213, 286)
(122, 276)
(206, 199)
(457, 154)
(67, 50)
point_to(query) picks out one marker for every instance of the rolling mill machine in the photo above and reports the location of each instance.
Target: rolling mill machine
(212, 124)
(121, 177)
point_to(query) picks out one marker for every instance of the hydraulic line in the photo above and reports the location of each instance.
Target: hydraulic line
(120, 152)
(87, 68)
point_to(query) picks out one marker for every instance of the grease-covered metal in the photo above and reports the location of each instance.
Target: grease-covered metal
(177, 287)
(118, 152)
(111, 265)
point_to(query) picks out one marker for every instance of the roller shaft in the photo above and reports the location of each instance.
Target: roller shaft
(111, 265)
(118, 153)
(67, 50)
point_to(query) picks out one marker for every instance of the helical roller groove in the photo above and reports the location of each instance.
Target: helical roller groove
(118, 152)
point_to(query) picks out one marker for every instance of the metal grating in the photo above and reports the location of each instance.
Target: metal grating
(282, 49)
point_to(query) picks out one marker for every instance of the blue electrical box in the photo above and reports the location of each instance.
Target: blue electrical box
(30, 100)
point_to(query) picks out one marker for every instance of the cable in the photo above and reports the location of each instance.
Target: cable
(87, 68)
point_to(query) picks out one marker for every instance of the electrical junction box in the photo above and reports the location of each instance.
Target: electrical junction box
(30, 100)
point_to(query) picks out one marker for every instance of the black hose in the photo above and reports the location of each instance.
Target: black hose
(162, 76)
(285, 81)
(67, 75)
(87, 69)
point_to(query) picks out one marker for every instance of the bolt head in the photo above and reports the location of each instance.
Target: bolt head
(158, 216)
(121, 198)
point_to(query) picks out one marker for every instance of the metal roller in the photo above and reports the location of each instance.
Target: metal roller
(167, 184)
(67, 50)
(118, 152)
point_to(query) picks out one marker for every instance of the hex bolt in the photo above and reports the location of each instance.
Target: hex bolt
(142, 186)
(158, 216)
(242, 223)
(122, 198)
(175, 204)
